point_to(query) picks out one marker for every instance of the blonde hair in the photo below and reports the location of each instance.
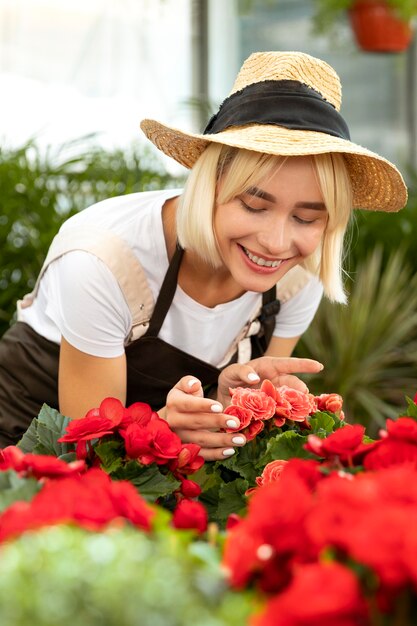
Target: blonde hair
(241, 169)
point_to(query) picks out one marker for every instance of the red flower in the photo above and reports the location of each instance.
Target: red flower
(138, 413)
(332, 402)
(390, 452)
(232, 521)
(189, 488)
(190, 514)
(37, 465)
(283, 407)
(325, 594)
(308, 470)
(265, 544)
(257, 401)
(243, 415)
(155, 443)
(404, 429)
(272, 472)
(44, 466)
(343, 443)
(188, 460)
(301, 403)
(15, 520)
(253, 429)
(11, 457)
(397, 446)
(97, 423)
(91, 500)
(130, 505)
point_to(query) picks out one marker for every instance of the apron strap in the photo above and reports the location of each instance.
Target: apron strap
(166, 294)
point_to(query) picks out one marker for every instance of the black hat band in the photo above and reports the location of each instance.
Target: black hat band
(287, 103)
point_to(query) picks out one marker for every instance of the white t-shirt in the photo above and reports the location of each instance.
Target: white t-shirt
(80, 299)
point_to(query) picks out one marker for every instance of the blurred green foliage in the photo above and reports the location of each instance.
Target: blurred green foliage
(41, 189)
(67, 576)
(369, 348)
(392, 231)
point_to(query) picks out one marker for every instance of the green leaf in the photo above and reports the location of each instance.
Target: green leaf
(322, 424)
(210, 499)
(205, 476)
(246, 461)
(411, 408)
(148, 480)
(110, 454)
(43, 434)
(285, 446)
(14, 489)
(232, 499)
(29, 439)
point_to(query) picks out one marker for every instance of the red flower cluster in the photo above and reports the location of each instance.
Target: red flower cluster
(147, 439)
(308, 520)
(38, 465)
(255, 407)
(91, 500)
(397, 446)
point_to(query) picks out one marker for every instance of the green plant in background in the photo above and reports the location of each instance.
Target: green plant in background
(390, 232)
(369, 347)
(39, 190)
(121, 576)
(328, 12)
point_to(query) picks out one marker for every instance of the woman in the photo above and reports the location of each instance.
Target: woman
(274, 178)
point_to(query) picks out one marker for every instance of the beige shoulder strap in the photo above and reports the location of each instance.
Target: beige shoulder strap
(121, 261)
(292, 282)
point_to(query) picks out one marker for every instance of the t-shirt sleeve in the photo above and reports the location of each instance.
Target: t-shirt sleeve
(297, 313)
(87, 304)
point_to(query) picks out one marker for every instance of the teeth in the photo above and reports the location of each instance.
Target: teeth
(260, 261)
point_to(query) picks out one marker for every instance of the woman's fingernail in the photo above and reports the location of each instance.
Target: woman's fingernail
(238, 440)
(253, 376)
(232, 424)
(192, 382)
(228, 452)
(216, 408)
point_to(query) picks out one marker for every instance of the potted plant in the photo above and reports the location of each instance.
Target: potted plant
(378, 25)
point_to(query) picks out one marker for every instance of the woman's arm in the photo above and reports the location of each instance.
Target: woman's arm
(281, 346)
(85, 380)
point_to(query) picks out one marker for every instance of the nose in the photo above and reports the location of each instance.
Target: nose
(276, 238)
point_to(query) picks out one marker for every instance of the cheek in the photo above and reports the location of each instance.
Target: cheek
(310, 241)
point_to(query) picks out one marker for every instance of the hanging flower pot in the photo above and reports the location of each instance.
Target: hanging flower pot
(377, 28)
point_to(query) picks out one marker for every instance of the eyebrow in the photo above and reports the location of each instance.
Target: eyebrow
(260, 193)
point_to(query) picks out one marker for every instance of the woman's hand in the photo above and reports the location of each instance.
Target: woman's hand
(197, 419)
(278, 370)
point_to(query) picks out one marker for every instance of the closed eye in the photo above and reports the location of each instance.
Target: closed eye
(248, 208)
(300, 220)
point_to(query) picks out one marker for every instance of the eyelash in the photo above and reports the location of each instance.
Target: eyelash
(303, 222)
(249, 208)
(297, 219)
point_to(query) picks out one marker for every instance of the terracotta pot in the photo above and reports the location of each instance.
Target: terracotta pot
(377, 28)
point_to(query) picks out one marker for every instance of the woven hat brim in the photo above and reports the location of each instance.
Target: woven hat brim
(377, 184)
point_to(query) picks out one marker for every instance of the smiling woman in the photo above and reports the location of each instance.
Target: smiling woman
(156, 296)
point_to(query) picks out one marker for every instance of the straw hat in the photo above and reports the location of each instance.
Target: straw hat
(288, 103)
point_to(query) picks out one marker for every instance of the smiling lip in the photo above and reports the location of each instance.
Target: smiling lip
(261, 269)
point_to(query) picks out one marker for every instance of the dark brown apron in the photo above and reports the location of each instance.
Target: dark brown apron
(29, 363)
